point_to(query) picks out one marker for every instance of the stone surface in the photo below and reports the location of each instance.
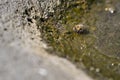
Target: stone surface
(22, 53)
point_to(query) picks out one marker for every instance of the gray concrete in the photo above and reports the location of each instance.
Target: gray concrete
(22, 54)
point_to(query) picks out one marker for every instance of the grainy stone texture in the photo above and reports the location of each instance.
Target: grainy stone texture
(22, 54)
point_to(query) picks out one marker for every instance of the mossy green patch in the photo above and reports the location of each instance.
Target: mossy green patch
(58, 32)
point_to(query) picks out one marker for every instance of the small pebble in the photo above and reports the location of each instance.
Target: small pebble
(44, 45)
(92, 68)
(110, 9)
(97, 70)
(118, 64)
(81, 47)
(112, 64)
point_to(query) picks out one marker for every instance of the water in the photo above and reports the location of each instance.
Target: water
(108, 30)
(97, 50)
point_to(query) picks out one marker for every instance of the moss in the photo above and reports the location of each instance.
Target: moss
(78, 48)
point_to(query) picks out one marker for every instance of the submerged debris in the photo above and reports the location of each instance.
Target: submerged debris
(110, 9)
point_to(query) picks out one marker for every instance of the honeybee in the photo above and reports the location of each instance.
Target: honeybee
(79, 28)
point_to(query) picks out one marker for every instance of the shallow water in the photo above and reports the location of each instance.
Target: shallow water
(108, 31)
(97, 50)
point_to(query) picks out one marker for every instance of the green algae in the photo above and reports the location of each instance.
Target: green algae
(58, 32)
